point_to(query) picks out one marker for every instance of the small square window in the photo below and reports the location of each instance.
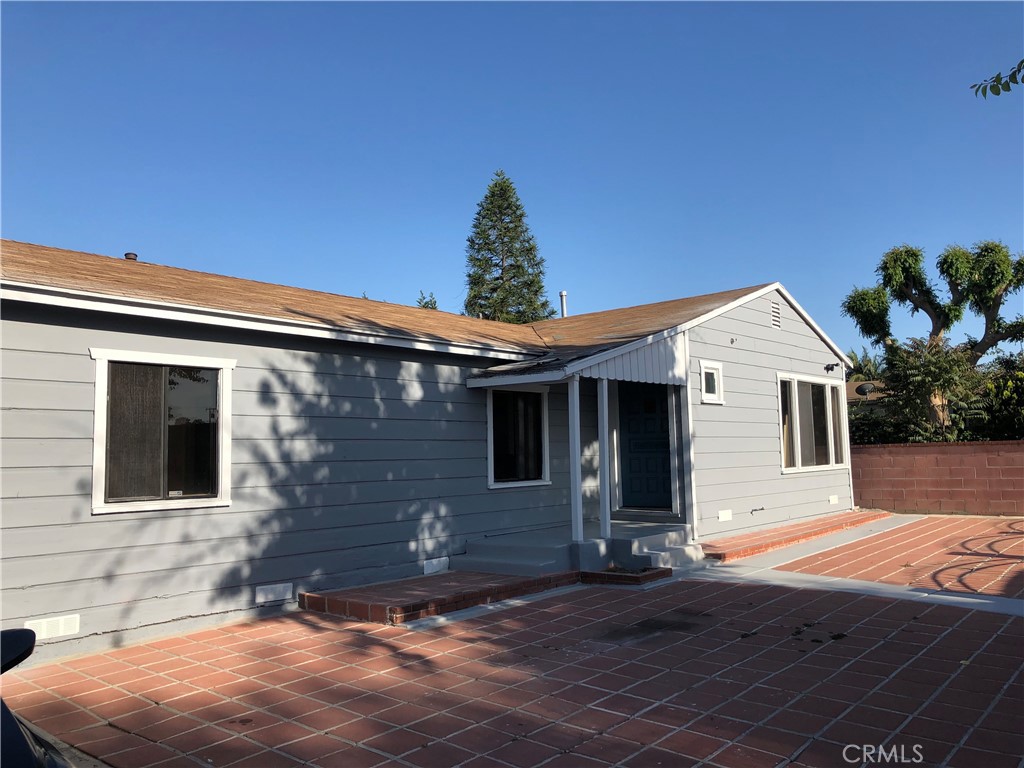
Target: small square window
(711, 383)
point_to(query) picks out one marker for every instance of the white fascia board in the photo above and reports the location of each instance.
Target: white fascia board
(514, 380)
(61, 297)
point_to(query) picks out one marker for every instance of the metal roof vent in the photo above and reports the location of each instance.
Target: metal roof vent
(131, 256)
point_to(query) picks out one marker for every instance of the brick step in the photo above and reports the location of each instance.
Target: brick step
(397, 602)
(766, 540)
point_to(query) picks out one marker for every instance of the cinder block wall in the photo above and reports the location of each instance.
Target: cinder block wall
(954, 478)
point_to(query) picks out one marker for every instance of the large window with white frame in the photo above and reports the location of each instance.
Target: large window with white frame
(811, 422)
(517, 437)
(162, 432)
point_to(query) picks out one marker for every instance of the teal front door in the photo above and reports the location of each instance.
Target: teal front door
(644, 446)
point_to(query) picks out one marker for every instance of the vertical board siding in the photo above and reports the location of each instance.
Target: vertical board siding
(659, 363)
(349, 463)
(737, 446)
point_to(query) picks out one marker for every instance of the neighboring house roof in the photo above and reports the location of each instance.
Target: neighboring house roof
(71, 278)
(876, 392)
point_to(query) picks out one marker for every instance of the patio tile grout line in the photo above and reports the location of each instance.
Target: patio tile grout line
(763, 722)
(865, 544)
(648, 605)
(929, 528)
(887, 679)
(935, 694)
(656, 704)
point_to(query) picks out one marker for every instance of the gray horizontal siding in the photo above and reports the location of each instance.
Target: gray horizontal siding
(50, 423)
(737, 447)
(136, 563)
(50, 453)
(348, 462)
(29, 394)
(66, 512)
(46, 366)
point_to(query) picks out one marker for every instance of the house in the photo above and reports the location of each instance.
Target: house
(180, 446)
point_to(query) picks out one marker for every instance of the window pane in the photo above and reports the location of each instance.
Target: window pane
(531, 447)
(191, 432)
(837, 427)
(710, 383)
(517, 423)
(135, 395)
(788, 441)
(812, 418)
(820, 424)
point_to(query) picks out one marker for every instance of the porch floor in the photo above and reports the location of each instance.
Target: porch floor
(765, 540)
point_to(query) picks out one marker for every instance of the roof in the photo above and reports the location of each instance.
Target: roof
(97, 275)
(72, 278)
(876, 391)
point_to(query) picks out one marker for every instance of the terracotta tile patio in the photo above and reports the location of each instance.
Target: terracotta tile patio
(951, 553)
(688, 673)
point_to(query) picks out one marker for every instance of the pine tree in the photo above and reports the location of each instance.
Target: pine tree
(426, 301)
(504, 272)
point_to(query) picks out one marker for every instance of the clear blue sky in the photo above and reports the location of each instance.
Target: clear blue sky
(660, 150)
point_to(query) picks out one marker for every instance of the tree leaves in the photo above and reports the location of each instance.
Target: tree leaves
(869, 309)
(980, 279)
(997, 85)
(504, 272)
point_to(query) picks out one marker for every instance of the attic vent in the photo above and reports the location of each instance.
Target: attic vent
(776, 315)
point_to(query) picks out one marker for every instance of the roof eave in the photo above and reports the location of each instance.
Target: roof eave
(513, 379)
(11, 290)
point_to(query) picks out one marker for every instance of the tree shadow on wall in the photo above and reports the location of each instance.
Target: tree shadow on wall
(345, 468)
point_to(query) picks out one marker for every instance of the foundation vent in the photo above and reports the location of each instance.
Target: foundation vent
(58, 626)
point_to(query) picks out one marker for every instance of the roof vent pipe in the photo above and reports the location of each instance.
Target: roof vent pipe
(131, 256)
(561, 296)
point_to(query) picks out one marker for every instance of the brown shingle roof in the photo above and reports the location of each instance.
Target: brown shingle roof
(73, 270)
(613, 327)
(557, 340)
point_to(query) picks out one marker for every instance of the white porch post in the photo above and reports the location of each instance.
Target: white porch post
(575, 459)
(603, 466)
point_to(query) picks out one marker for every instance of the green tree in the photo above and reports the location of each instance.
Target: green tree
(504, 271)
(998, 84)
(1004, 397)
(980, 279)
(426, 301)
(866, 367)
(933, 391)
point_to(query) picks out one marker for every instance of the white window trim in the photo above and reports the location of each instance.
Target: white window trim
(493, 484)
(797, 377)
(99, 444)
(712, 398)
